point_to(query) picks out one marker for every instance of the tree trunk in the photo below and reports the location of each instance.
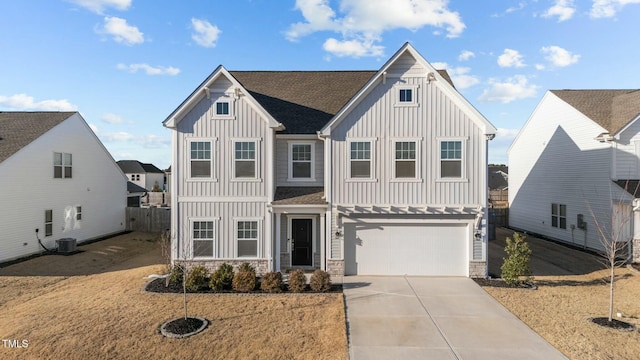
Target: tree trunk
(611, 280)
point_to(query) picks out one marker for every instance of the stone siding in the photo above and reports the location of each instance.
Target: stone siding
(477, 269)
(335, 267)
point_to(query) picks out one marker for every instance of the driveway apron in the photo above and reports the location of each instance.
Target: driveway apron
(434, 318)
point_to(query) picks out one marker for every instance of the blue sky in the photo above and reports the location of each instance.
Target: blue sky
(126, 64)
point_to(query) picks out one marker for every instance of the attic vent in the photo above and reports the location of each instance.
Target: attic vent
(66, 245)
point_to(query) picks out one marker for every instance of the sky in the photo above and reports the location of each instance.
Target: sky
(125, 65)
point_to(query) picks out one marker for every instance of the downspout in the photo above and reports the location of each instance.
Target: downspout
(325, 249)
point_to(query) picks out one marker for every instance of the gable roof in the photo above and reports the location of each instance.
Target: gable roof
(611, 109)
(447, 88)
(134, 188)
(135, 166)
(18, 129)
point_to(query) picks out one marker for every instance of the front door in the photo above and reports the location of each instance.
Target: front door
(301, 242)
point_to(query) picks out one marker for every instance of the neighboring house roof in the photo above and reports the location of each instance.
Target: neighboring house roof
(19, 129)
(290, 195)
(137, 167)
(611, 109)
(498, 177)
(133, 188)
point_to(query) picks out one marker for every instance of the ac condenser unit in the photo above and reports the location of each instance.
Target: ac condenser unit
(66, 245)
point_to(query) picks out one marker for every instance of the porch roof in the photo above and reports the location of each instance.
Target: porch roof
(630, 186)
(297, 195)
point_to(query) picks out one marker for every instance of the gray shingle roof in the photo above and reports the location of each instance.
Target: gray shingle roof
(611, 109)
(19, 129)
(134, 188)
(135, 166)
(290, 195)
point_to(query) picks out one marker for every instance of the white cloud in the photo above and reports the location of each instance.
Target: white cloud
(563, 9)
(361, 23)
(119, 136)
(507, 135)
(352, 48)
(26, 102)
(112, 118)
(98, 6)
(121, 31)
(94, 128)
(204, 33)
(148, 141)
(609, 8)
(558, 56)
(466, 55)
(151, 141)
(514, 88)
(510, 58)
(459, 75)
(149, 70)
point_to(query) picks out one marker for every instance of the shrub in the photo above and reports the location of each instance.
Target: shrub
(515, 267)
(271, 282)
(297, 281)
(320, 281)
(197, 278)
(222, 278)
(244, 281)
(175, 274)
(245, 266)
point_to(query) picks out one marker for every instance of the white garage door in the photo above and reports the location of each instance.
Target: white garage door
(406, 249)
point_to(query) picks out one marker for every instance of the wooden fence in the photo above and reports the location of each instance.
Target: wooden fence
(148, 219)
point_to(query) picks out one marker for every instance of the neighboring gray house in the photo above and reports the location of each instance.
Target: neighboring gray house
(578, 156)
(56, 181)
(355, 172)
(144, 175)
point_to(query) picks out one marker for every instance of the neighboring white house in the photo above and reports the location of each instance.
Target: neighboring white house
(354, 172)
(144, 175)
(576, 155)
(56, 181)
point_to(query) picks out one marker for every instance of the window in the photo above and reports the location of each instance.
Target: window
(406, 95)
(451, 159)
(78, 213)
(200, 159)
(405, 159)
(222, 108)
(245, 159)
(360, 159)
(301, 161)
(247, 238)
(48, 222)
(203, 237)
(61, 165)
(559, 216)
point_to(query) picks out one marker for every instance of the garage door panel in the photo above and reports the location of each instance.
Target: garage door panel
(406, 249)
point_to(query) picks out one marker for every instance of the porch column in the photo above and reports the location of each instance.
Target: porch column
(323, 245)
(278, 232)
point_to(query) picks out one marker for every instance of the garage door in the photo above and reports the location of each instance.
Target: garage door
(406, 249)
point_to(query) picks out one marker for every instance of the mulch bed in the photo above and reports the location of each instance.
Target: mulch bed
(499, 283)
(158, 286)
(613, 324)
(183, 327)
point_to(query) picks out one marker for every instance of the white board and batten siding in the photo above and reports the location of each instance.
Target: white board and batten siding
(29, 188)
(282, 161)
(222, 198)
(555, 159)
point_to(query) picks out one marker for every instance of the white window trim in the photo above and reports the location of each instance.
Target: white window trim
(372, 176)
(290, 145)
(290, 235)
(259, 239)
(223, 98)
(414, 95)
(418, 159)
(257, 178)
(463, 172)
(62, 166)
(215, 240)
(214, 148)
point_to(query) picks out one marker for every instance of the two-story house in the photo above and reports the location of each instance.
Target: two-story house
(353, 172)
(57, 181)
(574, 168)
(144, 175)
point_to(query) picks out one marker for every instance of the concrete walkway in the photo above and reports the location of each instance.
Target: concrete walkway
(434, 318)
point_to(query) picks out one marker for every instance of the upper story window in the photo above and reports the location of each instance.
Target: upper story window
(405, 160)
(451, 159)
(360, 159)
(62, 165)
(301, 161)
(200, 159)
(559, 216)
(203, 238)
(244, 161)
(406, 95)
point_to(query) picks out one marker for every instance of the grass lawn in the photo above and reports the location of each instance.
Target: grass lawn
(561, 306)
(91, 305)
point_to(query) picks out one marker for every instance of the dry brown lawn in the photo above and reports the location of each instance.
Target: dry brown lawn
(561, 306)
(91, 305)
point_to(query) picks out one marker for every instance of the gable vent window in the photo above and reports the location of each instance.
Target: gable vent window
(406, 95)
(222, 108)
(62, 166)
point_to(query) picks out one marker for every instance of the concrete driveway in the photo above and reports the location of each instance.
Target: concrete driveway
(434, 318)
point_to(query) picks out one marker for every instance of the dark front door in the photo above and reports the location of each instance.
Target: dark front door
(301, 242)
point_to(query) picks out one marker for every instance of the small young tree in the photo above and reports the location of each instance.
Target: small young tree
(515, 267)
